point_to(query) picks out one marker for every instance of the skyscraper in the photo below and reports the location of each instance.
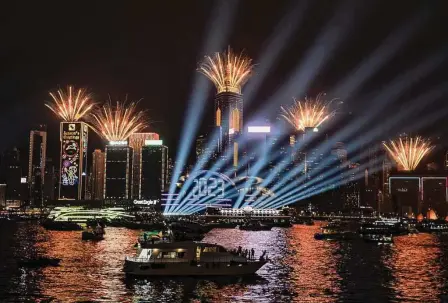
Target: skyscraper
(154, 166)
(229, 72)
(73, 166)
(118, 171)
(208, 147)
(137, 141)
(11, 172)
(97, 175)
(36, 165)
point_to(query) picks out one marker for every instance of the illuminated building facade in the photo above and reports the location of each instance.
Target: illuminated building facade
(36, 165)
(97, 175)
(405, 194)
(154, 170)
(137, 141)
(73, 161)
(118, 171)
(229, 116)
(257, 149)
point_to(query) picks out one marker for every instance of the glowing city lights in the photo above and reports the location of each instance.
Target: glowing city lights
(408, 151)
(71, 105)
(227, 70)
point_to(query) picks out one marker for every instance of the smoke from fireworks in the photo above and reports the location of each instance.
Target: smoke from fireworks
(308, 112)
(228, 71)
(71, 105)
(117, 123)
(408, 152)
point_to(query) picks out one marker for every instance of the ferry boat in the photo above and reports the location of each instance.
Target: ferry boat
(189, 259)
(82, 215)
(378, 238)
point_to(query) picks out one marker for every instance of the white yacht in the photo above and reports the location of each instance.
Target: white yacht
(189, 259)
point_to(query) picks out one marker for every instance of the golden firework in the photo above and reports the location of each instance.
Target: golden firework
(308, 113)
(227, 70)
(71, 105)
(117, 123)
(408, 151)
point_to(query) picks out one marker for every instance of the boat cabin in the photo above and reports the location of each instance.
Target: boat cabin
(184, 252)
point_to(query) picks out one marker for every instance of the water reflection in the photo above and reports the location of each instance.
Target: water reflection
(302, 269)
(416, 268)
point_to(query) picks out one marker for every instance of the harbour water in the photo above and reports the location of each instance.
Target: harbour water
(303, 269)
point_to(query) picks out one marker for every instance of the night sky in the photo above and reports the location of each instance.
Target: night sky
(149, 50)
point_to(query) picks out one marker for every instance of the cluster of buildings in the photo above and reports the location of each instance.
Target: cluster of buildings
(135, 169)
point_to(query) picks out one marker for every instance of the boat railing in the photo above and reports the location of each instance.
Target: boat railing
(179, 260)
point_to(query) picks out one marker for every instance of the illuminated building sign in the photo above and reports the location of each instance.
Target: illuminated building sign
(259, 129)
(203, 188)
(153, 142)
(73, 138)
(146, 202)
(118, 142)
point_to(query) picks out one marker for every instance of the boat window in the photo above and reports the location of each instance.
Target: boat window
(210, 249)
(181, 254)
(167, 255)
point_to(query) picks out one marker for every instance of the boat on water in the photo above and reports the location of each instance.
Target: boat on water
(254, 226)
(334, 231)
(378, 238)
(95, 234)
(190, 259)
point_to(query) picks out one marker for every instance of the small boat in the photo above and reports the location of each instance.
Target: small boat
(38, 262)
(96, 234)
(190, 259)
(378, 238)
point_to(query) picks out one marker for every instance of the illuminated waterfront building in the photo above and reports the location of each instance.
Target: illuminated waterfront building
(73, 163)
(137, 141)
(154, 170)
(97, 175)
(36, 165)
(118, 171)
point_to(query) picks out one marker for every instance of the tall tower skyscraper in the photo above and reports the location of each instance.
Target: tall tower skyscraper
(118, 171)
(36, 165)
(97, 174)
(229, 72)
(154, 170)
(73, 166)
(137, 141)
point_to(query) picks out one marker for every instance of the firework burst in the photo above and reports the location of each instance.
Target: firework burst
(227, 70)
(117, 123)
(308, 113)
(408, 151)
(71, 105)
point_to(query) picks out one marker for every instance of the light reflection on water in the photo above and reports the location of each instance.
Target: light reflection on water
(302, 269)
